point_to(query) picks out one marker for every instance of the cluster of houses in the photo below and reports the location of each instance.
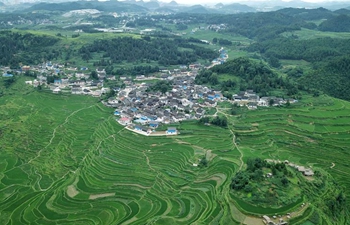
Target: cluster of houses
(135, 104)
(308, 172)
(75, 81)
(268, 221)
(142, 110)
(250, 99)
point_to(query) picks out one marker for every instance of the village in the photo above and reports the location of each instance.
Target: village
(136, 107)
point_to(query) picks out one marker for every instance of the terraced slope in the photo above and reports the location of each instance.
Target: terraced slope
(314, 133)
(64, 160)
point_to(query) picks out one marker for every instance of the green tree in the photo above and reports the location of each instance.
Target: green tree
(94, 75)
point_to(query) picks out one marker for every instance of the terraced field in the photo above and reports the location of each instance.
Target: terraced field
(64, 160)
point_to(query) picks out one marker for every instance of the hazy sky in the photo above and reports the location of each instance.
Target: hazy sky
(213, 2)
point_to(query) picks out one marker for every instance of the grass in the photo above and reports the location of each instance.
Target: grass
(305, 34)
(59, 150)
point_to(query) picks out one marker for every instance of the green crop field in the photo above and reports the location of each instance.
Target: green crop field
(65, 160)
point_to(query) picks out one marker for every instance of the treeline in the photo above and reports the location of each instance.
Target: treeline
(313, 50)
(252, 75)
(220, 121)
(25, 48)
(163, 51)
(332, 79)
(340, 23)
(261, 26)
(162, 86)
(246, 180)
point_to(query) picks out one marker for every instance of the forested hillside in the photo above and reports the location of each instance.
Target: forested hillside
(164, 51)
(25, 48)
(252, 75)
(313, 50)
(332, 79)
(337, 24)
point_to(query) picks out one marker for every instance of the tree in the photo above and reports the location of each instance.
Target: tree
(288, 103)
(203, 162)
(284, 181)
(215, 40)
(271, 102)
(94, 75)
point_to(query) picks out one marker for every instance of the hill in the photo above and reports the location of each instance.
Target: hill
(242, 74)
(108, 6)
(65, 156)
(332, 79)
(340, 23)
(196, 9)
(342, 11)
(308, 14)
(236, 7)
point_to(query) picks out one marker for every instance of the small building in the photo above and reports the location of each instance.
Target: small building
(308, 172)
(116, 113)
(124, 120)
(56, 90)
(301, 169)
(268, 221)
(171, 130)
(7, 75)
(153, 124)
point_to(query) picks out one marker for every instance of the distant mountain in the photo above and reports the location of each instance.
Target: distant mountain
(107, 6)
(196, 9)
(219, 5)
(308, 14)
(342, 11)
(2, 4)
(164, 10)
(151, 5)
(340, 23)
(239, 8)
(172, 3)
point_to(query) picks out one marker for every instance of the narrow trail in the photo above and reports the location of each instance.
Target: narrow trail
(54, 132)
(235, 144)
(333, 165)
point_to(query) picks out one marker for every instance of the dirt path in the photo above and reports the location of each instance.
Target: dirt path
(333, 165)
(235, 144)
(54, 131)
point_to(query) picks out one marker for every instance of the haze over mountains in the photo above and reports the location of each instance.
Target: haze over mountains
(193, 7)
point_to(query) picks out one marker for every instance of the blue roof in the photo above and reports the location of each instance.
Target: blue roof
(7, 75)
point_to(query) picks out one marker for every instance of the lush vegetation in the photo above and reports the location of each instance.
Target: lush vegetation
(164, 51)
(25, 48)
(65, 160)
(161, 86)
(314, 50)
(340, 23)
(269, 184)
(65, 156)
(333, 78)
(252, 75)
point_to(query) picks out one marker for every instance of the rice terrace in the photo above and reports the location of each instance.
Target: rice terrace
(65, 160)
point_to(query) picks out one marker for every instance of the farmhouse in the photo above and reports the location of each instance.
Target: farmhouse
(268, 221)
(308, 172)
(124, 120)
(171, 130)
